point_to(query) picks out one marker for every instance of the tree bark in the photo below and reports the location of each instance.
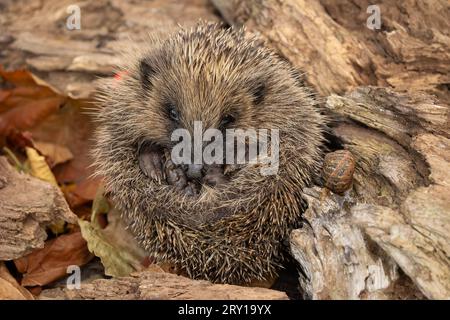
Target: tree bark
(331, 42)
(27, 206)
(396, 217)
(156, 285)
(71, 62)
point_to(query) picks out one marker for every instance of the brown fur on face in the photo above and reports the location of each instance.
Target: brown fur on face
(212, 75)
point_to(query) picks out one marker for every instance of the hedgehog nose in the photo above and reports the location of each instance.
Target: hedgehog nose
(194, 171)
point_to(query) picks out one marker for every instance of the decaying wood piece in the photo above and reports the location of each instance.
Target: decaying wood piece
(400, 202)
(336, 260)
(331, 42)
(425, 260)
(156, 285)
(27, 206)
(9, 288)
(334, 257)
(70, 61)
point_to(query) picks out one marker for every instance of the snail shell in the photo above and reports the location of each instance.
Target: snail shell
(338, 169)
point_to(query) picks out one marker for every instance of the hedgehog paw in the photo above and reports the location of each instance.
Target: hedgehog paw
(151, 162)
(175, 175)
(214, 176)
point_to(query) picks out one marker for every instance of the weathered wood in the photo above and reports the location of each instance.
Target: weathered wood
(331, 42)
(336, 260)
(71, 61)
(9, 288)
(398, 212)
(27, 206)
(156, 285)
(413, 244)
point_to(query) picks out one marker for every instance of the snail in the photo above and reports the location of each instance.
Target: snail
(337, 171)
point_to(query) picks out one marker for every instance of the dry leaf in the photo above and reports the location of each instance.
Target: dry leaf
(82, 192)
(82, 212)
(41, 170)
(46, 265)
(25, 104)
(55, 153)
(21, 139)
(114, 245)
(116, 231)
(28, 114)
(39, 167)
(9, 288)
(17, 77)
(4, 95)
(117, 262)
(100, 204)
(72, 127)
(72, 199)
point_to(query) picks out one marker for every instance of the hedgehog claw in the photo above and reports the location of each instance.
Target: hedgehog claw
(151, 162)
(175, 175)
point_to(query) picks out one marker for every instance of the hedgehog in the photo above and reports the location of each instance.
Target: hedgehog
(233, 230)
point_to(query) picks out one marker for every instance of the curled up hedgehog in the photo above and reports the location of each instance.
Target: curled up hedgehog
(222, 222)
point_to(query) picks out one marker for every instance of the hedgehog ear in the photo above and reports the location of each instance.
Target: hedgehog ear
(259, 92)
(146, 72)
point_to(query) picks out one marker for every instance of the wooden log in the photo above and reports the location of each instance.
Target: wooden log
(27, 206)
(331, 42)
(9, 288)
(336, 262)
(417, 246)
(395, 219)
(156, 285)
(71, 61)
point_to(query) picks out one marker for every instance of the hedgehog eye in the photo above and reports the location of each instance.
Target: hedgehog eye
(173, 113)
(226, 120)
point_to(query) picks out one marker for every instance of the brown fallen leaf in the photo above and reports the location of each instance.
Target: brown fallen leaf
(71, 127)
(25, 104)
(17, 77)
(119, 252)
(21, 139)
(72, 199)
(4, 95)
(46, 265)
(82, 212)
(82, 192)
(35, 291)
(9, 288)
(55, 154)
(28, 114)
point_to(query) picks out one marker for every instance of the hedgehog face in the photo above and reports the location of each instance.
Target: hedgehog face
(187, 79)
(213, 76)
(179, 94)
